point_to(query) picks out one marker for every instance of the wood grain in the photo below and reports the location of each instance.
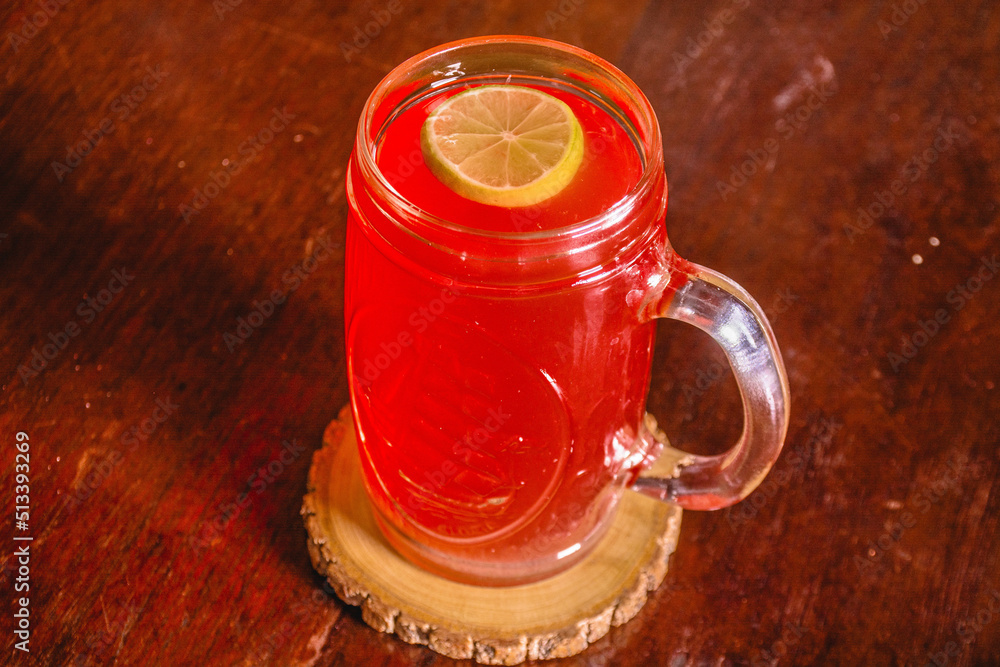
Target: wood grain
(555, 618)
(875, 542)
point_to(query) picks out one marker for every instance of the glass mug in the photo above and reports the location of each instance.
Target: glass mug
(499, 359)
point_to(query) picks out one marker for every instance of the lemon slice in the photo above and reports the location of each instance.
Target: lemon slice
(503, 145)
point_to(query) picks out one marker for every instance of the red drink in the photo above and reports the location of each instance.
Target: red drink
(499, 358)
(489, 424)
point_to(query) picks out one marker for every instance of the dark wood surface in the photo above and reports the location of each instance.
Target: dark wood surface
(874, 543)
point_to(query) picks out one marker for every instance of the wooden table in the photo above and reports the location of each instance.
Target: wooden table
(867, 227)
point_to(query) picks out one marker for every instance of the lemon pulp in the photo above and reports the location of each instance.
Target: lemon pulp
(503, 145)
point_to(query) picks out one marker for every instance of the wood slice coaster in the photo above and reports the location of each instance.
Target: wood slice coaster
(554, 618)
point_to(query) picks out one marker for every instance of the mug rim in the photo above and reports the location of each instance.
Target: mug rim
(650, 140)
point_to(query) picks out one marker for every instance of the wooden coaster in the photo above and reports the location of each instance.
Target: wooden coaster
(554, 618)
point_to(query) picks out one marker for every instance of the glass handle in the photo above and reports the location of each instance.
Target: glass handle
(724, 310)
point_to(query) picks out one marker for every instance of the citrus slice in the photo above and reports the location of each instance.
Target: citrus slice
(503, 145)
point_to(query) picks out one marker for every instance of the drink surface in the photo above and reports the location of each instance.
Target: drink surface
(610, 169)
(497, 428)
